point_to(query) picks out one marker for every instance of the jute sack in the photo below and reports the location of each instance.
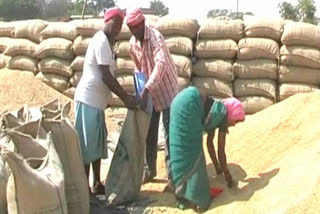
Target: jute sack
(59, 29)
(125, 175)
(24, 63)
(126, 82)
(256, 69)
(300, 33)
(70, 92)
(180, 45)
(293, 74)
(213, 86)
(21, 47)
(255, 87)
(80, 45)
(265, 28)
(219, 68)
(183, 83)
(221, 29)
(4, 175)
(57, 82)
(4, 60)
(77, 63)
(178, 26)
(44, 185)
(88, 27)
(75, 79)
(4, 43)
(121, 48)
(67, 144)
(124, 34)
(6, 29)
(286, 90)
(183, 65)
(115, 101)
(29, 29)
(253, 104)
(300, 56)
(258, 48)
(124, 66)
(34, 129)
(53, 65)
(222, 49)
(55, 47)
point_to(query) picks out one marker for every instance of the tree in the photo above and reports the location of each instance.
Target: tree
(159, 8)
(304, 11)
(288, 11)
(228, 13)
(55, 8)
(20, 9)
(99, 5)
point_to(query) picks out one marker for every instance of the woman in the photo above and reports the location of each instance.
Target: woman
(192, 113)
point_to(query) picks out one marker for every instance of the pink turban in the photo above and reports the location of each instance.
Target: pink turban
(134, 17)
(235, 109)
(111, 13)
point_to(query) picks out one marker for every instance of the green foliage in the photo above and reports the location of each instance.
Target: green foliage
(159, 8)
(227, 13)
(20, 9)
(304, 11)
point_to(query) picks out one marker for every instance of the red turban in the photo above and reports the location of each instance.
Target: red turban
(111, 13)
(134, 17)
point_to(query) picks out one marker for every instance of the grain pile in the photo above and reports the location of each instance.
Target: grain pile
(273, 157)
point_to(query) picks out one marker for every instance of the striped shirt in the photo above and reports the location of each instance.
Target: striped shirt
(154, 59)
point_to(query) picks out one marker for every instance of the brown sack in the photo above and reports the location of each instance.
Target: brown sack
(178, 26)
(60, 29)
(4, 176)
(300, 33)
(124, 66)
(77, 63)
(221, 29)
(4, 43)
(24, 63)
(44, 185)
(286, 90)
(57, 82)
(219, 68)
(6, 29)
(254, 104)
(21, 47)
(213, 86)
(88, 27)
(30, 29)
(70, 92)
(125, 33)
(183, 83)
(255, 87)
(222, 49)
(255, 48)
(180, 45)
(75, 79)
(121, 48)
(300, 56)
(256, 69)
(80, 45)
(183, 65)
(4, 60)
(55, 47)
(126, 82)
(265, 28)
(115, 101)
(293, 74)
(57, 66)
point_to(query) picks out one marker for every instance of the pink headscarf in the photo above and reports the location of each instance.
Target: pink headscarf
(111, 13)
(235, 109)
(134, 17)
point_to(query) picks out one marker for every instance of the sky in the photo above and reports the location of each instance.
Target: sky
(199, 8)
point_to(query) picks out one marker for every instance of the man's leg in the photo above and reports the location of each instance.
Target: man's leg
(166, 121)
(98, 188)
(152, 147)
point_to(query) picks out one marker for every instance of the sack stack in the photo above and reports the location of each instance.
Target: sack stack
(216, 50)
(256, 68)
(6, 29)
(299, 59)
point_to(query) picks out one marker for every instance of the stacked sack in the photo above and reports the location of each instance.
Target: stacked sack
(41, 149)
(55, 54)
(6, 29)
(21, 49)
(179, 37)
(300, 59)
(216, 50)
(257, 65)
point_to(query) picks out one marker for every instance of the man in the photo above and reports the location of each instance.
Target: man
(94, 91)
(152, 57)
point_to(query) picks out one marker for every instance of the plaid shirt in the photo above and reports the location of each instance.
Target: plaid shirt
(154, 59)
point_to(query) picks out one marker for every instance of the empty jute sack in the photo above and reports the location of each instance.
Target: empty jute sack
(124, 179)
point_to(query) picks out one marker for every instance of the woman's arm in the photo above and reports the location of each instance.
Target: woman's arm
(222, 157)
(212, 152)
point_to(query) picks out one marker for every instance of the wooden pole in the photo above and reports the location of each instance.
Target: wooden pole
(84, 8)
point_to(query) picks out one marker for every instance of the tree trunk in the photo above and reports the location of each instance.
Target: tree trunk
(84, 8)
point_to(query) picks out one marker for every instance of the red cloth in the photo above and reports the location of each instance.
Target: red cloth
(235, 109)
(215, 191)
(111, 13)
(134, 17)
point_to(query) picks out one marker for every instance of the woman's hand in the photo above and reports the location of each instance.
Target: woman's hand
(228, 179)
